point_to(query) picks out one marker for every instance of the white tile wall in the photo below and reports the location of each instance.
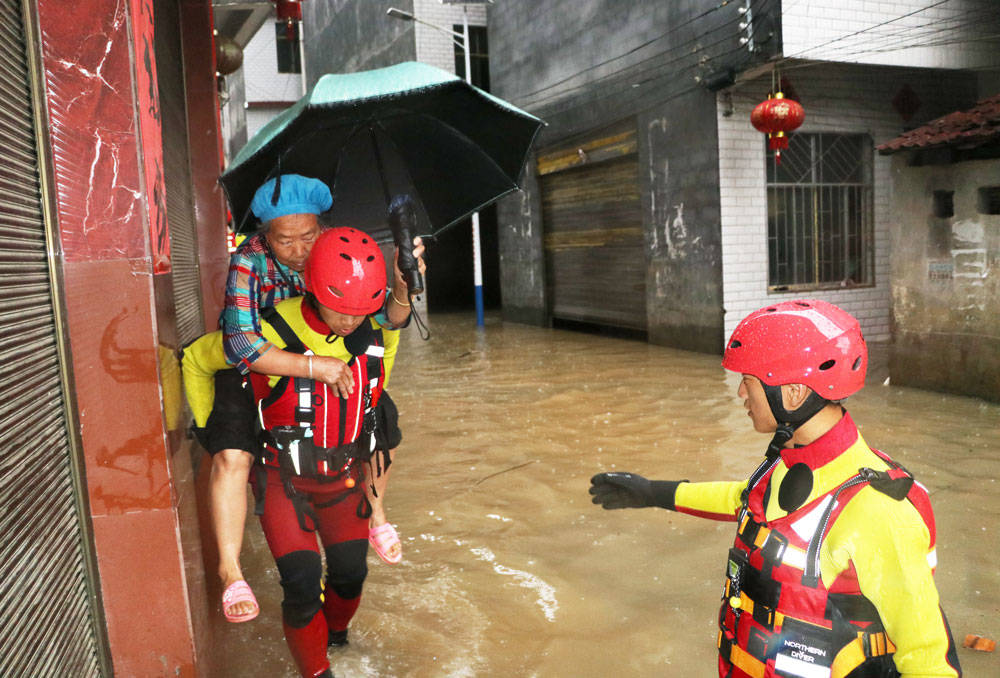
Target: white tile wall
(260, 70)
(925, 33)
(837, 99)
(434, 47)
(258, 117)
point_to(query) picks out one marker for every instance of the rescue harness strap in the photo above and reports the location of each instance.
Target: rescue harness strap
(298, 455)
(863, 647)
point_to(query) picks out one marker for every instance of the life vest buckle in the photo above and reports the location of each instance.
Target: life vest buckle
(764, 616)
(301, 456)
(305, 415)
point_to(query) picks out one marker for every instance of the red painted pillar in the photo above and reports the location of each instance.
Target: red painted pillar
(113, 244)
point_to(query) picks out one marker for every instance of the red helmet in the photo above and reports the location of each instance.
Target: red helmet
(346, 272)
(807, 342)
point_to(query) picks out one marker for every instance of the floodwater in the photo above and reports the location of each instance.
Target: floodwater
(508, 568)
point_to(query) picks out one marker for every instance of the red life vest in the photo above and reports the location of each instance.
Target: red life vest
(309, 430)
(777, 617)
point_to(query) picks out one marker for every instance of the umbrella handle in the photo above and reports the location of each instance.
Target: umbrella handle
(403, 221)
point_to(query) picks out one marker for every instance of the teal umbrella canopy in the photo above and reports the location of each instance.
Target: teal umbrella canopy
(406, 129)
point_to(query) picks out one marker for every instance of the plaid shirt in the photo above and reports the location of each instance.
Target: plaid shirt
(256, 280)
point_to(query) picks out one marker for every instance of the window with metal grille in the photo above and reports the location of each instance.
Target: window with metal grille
(819, 213)
(479, 56)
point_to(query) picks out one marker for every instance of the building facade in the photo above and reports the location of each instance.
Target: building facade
(704, 225)
(113, 255)
(945, 239)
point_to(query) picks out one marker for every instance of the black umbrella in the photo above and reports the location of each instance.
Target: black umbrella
(407, 129)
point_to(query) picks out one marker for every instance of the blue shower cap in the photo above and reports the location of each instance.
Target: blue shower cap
(296, 195)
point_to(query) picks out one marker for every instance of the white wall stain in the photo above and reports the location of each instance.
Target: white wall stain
(669, 229)
(524, 228)
(658, 173)
(676, 233)
(970, 266)
(660, 283)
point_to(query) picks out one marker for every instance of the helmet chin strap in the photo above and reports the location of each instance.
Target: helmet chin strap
(788, 422)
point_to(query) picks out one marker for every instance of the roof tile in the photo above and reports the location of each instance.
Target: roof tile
(964, 129)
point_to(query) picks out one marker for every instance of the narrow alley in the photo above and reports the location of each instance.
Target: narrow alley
(508, 568)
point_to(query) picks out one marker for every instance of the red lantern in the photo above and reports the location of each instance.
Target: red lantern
(776, 117)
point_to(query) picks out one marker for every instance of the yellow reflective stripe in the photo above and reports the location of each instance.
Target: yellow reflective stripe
(881, 645)
(746, 603)
(746, 662)
(852, 655)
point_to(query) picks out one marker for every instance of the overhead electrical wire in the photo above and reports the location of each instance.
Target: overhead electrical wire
(630, 88)
(678, 53)
(667, 33)
(915, 37)
(658, 64)
(909, 37)
(865, 30)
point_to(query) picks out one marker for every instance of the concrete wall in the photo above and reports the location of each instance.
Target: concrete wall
(522, 257)
(356, 35)
(837, 98)
(583, 66)
(953, 34)
(349, 36)
(678, 154)
(945, 280)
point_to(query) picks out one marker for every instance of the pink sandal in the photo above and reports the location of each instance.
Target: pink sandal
(382, 539)
(239, 592)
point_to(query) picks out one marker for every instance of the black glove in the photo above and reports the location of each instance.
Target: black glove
(629, 490)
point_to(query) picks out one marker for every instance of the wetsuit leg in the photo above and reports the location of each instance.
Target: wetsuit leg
(345, 540)
(297, 555)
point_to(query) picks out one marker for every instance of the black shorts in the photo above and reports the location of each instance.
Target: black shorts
(232, 423)
(387, 422)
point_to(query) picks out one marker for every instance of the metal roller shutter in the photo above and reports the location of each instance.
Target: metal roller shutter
(176, 171)
(47, 603)
(595, 257)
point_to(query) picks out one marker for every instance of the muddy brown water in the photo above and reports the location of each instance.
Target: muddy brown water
(508, 568)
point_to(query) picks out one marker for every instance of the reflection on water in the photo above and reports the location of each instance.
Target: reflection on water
(508, 568)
